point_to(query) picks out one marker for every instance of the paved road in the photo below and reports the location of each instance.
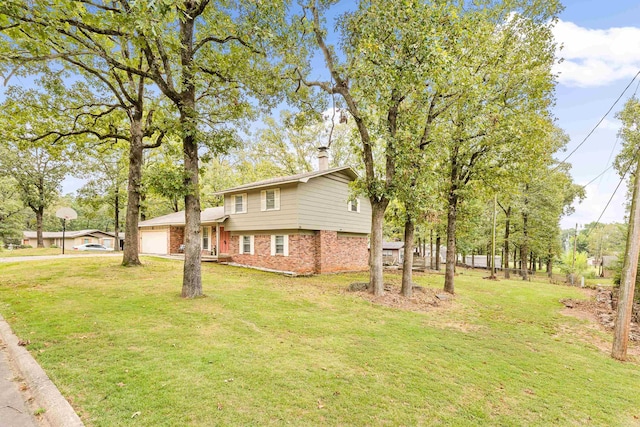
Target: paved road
(36, 258)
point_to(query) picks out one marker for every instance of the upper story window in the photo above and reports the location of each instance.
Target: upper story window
(353, 205)
(270, 199)
(239, 203)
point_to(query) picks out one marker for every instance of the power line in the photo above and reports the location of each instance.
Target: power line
(615, 144)
(600, 121)
(631, 163)
(601, 173)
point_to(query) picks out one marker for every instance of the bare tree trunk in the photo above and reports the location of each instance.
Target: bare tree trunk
(507, 226)
(407, 263)
(39, 215)
(438, 244)
(191, 277)
(376, 283)
(131, 245)
(550, 264)
(524, 248)
(116, 218)
(451, 241)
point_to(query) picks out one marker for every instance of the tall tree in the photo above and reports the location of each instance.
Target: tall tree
(106, 170)
(11, 209)
(386, 54)
(38, 173)
(207, 58)
(86, 38)
(506, 86)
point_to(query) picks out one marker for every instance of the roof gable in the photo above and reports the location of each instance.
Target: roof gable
(302, 177)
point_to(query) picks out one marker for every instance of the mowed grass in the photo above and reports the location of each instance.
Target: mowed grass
(5, 253)
(264, 349)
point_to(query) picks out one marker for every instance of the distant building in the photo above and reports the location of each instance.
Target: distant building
(72, 238)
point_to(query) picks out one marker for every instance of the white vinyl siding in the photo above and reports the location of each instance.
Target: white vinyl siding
(280, 244)
(323, 206)
(318, 204)
(246, 245)
(270, 200)
(256, 219)
(239, 203)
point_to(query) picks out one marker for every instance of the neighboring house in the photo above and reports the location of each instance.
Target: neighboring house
(392, 253)
(72, 238)
(303, 224)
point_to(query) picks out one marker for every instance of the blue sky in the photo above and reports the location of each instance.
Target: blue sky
(601, 55)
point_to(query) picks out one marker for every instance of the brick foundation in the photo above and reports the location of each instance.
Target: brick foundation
(322, 252)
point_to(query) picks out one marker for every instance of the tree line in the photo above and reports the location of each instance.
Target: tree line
(447, 105)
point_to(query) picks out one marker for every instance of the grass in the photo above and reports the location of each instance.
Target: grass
(263, 349)
(31, 252)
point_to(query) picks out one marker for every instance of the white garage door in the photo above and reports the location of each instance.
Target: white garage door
(153, 242)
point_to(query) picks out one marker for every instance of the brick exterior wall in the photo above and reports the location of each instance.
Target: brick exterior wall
(322, 252)
(176, 238)
(340, 253)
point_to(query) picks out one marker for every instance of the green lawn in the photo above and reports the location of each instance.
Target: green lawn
(264, 349)
(5, 253)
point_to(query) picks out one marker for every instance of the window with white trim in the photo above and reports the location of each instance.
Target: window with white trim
(353, 205)
(280, 244)
(270, 200)
(239, 203)
(246, 245)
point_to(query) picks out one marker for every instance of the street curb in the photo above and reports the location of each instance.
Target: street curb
(58, 412)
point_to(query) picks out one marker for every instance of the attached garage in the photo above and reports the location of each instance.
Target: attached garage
(154, 241)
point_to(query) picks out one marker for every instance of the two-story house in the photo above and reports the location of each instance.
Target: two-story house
(303, 224)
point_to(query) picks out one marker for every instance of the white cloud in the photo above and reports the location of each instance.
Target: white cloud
(611, 124)
(596, 57)
(594, 204)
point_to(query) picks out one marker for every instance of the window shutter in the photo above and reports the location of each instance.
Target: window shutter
(358, 205)
(241, 245)
(276, 196)
(286, 245)
(263, 200)
(251, 251)
(273, 244)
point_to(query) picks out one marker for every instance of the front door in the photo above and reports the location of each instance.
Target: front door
(224, 241)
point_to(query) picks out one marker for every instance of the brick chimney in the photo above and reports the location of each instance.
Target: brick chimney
(323, 158)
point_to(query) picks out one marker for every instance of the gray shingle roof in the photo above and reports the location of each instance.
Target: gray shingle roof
(392, 245)
(301, 177)
(177, 218)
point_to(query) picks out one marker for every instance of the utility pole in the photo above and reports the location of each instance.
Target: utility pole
(628, 279)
